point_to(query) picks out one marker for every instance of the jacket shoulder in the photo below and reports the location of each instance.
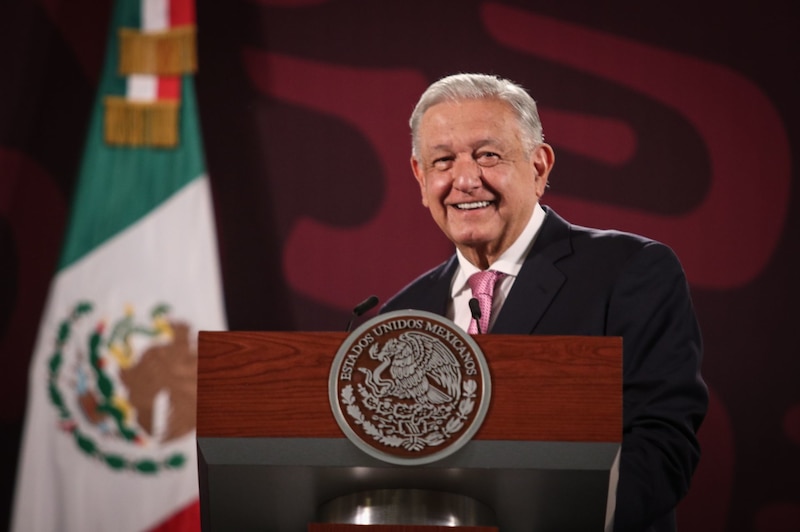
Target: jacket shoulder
(428, 291)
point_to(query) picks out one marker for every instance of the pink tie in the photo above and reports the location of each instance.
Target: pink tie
(482, 285)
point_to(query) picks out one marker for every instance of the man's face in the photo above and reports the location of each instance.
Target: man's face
(476, 177)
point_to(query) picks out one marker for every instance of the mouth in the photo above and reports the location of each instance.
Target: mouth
(471, 206)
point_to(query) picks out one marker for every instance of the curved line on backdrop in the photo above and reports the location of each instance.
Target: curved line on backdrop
(729, 238)
(358, 97)
(725, 242)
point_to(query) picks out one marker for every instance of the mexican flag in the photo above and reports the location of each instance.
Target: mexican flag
(109, 438)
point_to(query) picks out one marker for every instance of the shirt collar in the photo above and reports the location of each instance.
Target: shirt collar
(510, 262)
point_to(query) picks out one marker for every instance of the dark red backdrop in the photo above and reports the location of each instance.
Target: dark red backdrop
(677, 121)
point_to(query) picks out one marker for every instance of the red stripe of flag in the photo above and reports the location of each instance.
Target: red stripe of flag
(181, 12)
(185, 520)
(169, 88)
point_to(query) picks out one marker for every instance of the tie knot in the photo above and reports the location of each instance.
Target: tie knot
(482, 283)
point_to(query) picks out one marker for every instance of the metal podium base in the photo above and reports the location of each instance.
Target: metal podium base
(406, 507)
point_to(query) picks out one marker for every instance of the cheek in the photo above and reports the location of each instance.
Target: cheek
(424, 190)
(437, 188)
(522, 185)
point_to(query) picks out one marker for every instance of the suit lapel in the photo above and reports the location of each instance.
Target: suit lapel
(539, 279)
(437, 296)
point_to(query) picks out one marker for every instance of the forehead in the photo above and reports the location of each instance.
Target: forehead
(451, 123)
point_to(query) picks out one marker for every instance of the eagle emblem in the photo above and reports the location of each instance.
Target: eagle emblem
(125, 390)
(420, 368)
(409, 387)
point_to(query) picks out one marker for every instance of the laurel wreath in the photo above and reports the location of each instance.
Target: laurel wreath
(415, 443)
(105, 386)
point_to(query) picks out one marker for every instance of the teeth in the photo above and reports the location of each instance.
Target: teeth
(473, 205)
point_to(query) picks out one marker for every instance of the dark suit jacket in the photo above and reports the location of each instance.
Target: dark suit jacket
(581, 281)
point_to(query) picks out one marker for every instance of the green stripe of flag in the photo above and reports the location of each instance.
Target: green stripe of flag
(117, 186)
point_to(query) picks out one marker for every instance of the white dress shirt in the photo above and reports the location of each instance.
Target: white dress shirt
(510, 263)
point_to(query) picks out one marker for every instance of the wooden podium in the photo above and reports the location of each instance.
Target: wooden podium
(270, 452)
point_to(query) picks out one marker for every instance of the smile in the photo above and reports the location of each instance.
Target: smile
(472, 205)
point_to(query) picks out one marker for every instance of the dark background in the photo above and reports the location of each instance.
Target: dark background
(677, 120)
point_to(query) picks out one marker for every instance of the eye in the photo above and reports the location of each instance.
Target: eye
(443, 163)
(487, 158)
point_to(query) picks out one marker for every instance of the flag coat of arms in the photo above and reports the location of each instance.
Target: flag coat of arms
(109, 437)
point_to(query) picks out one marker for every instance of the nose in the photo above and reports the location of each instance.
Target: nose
(467, 174)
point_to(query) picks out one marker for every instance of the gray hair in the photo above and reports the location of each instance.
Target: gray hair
(475, 87)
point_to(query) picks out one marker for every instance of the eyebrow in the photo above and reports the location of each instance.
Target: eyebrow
(477, 145)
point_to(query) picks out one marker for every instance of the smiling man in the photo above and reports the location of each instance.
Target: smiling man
(480, 173)
(479, 156)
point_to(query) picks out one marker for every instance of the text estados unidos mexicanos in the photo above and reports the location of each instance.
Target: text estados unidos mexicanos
(369, 338)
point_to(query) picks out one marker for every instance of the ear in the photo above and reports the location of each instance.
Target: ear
(420, 176)
(542, 159)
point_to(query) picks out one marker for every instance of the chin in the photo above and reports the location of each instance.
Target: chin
(472, 242)
(470, 236)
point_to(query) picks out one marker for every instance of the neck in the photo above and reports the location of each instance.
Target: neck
(481, 258)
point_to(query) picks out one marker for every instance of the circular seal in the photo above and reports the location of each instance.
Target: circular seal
(409, 387)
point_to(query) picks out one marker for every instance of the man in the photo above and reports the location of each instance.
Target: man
(482, 166)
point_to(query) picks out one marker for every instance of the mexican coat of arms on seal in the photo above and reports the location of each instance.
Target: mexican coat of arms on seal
(409, 387)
